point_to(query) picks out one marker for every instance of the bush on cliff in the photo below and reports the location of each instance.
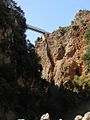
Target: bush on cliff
(86, 56)
(87, 36)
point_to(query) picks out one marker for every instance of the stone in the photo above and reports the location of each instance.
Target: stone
(78, 117)
(86, 116)
(45, 117)
(60, 53)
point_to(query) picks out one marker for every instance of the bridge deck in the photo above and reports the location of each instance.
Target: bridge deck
(36, 29)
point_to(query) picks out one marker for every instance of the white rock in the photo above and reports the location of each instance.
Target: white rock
(86, 116)
(78, 117)
(45, 117)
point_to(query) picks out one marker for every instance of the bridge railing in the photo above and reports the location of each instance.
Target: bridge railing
(36, 29)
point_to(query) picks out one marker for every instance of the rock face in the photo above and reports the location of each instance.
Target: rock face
(16, 58)
(62, 58)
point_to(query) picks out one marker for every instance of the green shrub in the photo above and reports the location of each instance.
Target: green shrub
(51, 42)
(86, 58)
(87, 36)
(63, 30)
(82, 84)
(75, 27)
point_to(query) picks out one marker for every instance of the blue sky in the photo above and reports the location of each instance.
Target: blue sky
(50, 14)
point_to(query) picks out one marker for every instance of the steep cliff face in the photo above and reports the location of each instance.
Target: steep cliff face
(19, 70)
(64, 54)
(66, 47)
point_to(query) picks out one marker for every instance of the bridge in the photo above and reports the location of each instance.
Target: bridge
(36, 29)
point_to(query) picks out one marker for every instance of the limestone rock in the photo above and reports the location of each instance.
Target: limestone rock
(45, 117)
(65, 50)
(86, 116)
(60, 53)
(78, 117)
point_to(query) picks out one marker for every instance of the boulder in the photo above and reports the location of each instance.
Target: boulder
(86, 116)
(45, 117)
(78, 117)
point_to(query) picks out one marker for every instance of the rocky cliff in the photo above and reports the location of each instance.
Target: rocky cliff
(64, 57)
(19, 69)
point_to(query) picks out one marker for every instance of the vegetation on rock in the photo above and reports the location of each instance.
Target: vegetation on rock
(87, 36)
(86, 56)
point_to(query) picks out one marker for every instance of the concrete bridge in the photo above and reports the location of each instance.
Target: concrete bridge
(36, 29)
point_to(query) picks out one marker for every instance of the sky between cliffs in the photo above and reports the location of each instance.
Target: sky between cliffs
(50, 14)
